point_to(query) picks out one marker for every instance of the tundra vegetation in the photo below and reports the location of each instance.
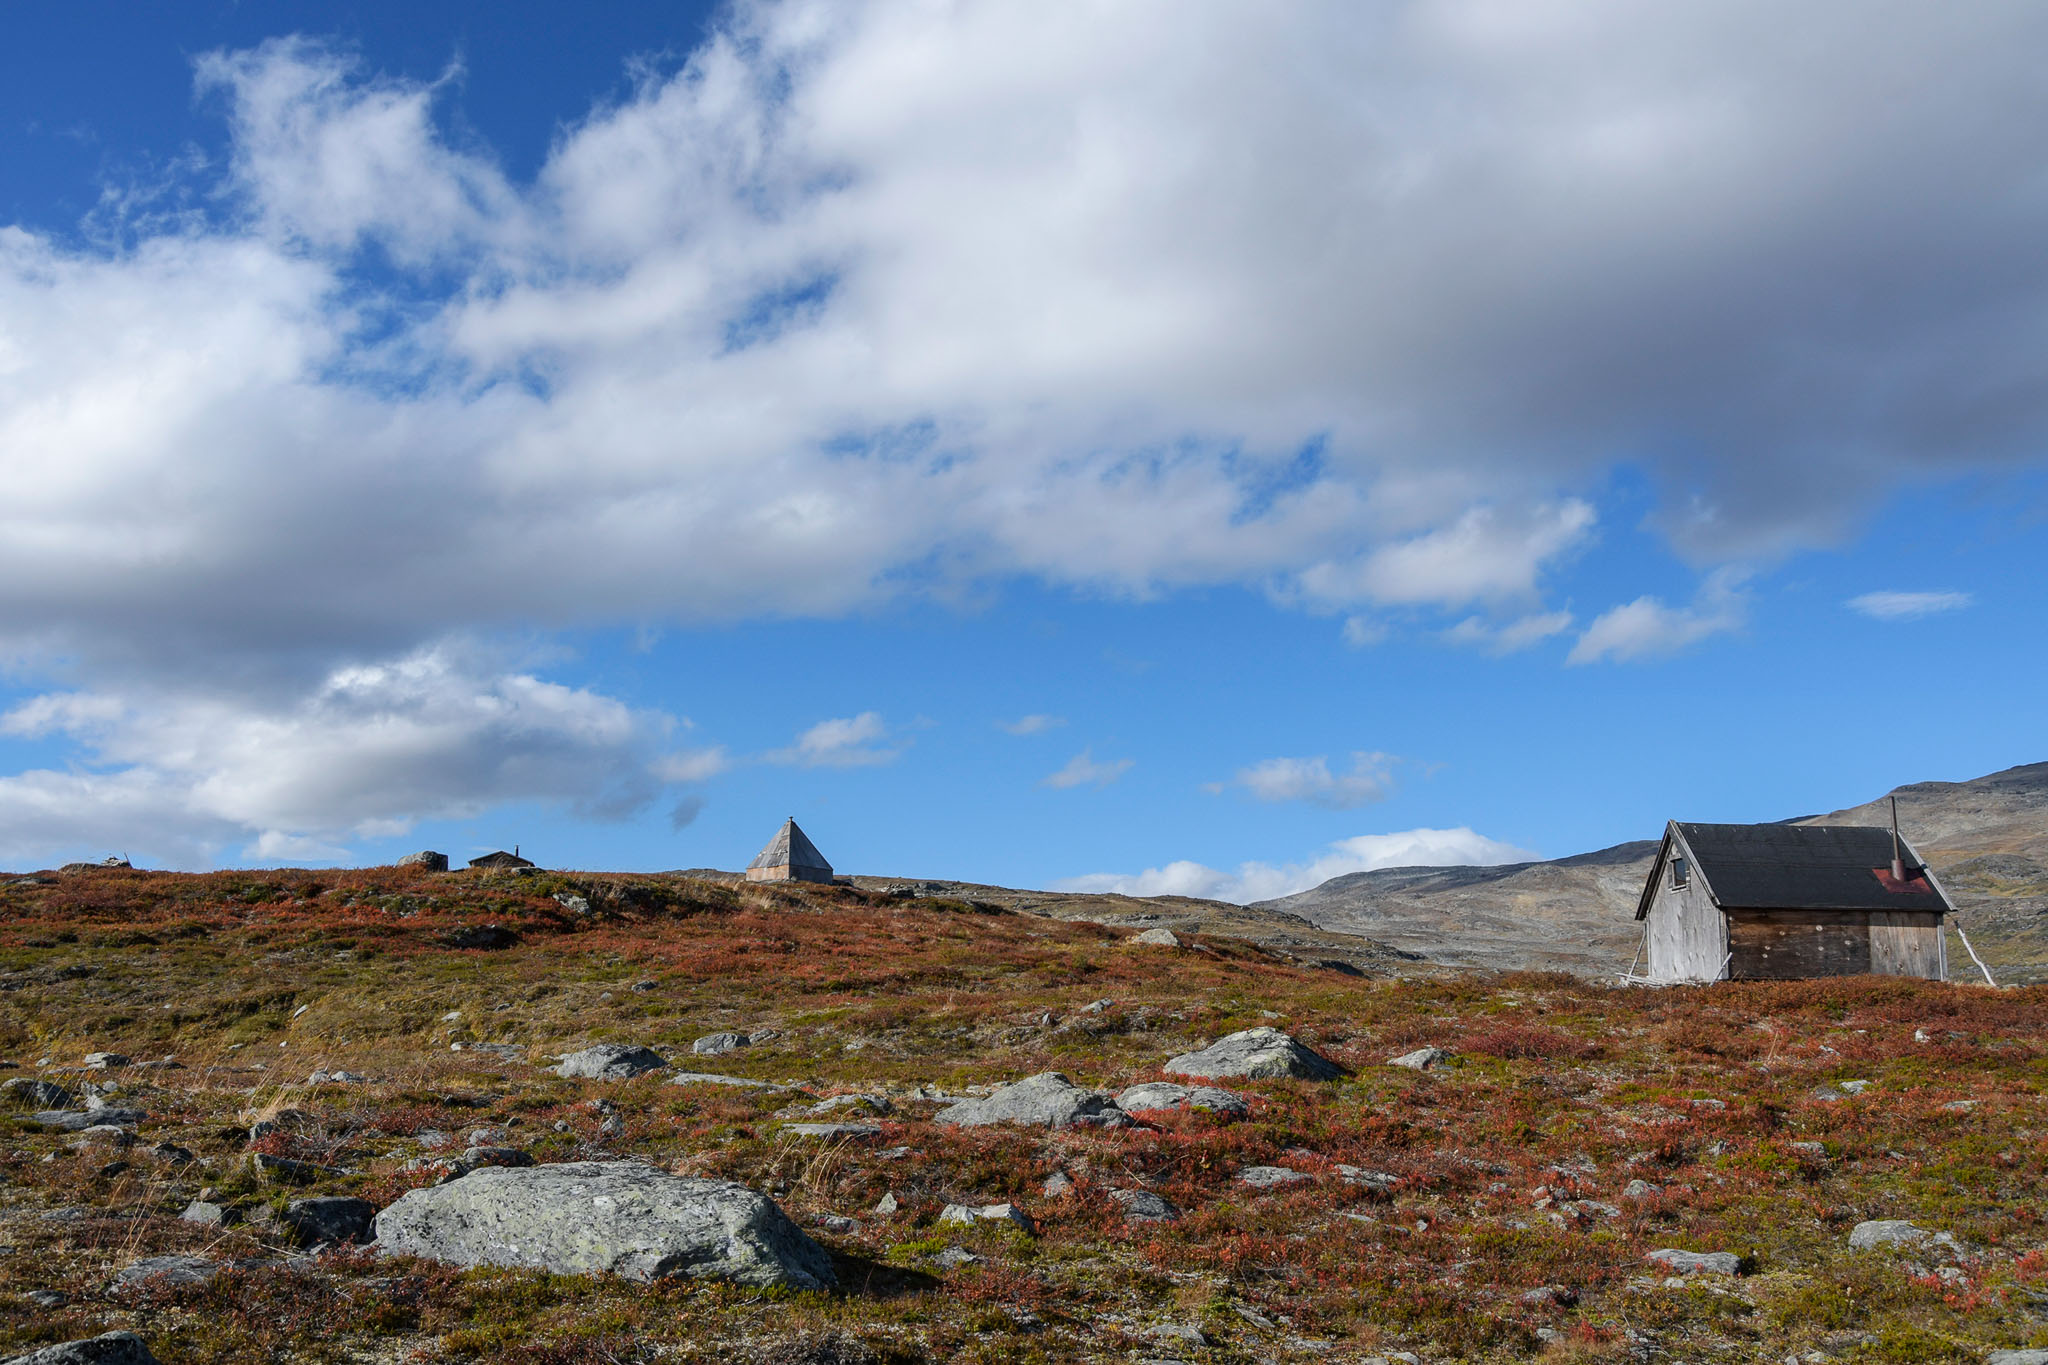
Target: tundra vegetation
(1496, 1201)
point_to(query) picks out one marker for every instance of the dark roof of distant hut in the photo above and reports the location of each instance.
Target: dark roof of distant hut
(500, 859)
(790, 847)
(1799, 867)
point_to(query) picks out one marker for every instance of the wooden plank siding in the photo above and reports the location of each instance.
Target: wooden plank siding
(1687, 937)
(1908, 943)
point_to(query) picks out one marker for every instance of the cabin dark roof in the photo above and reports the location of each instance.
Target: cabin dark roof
(1799, 867)
(791, 847)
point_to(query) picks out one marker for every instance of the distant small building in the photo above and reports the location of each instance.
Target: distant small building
(1781, 902)
(501, 859)
(790, 857)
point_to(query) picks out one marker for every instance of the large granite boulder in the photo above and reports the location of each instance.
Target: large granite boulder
(610, 1062)
(1262, 1053)
(114, 1348)
(1047, 1100)
(606, 1217)
(426, 858)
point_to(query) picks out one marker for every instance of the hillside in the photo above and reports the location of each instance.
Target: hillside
(1986, 838)
(217, 1084)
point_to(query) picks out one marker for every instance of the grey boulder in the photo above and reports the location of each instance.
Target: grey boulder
(1047, 1100)
(610, 1062)
(426, 858)
(1158, 938)
(718, 1044)
(1270, 1177)
(613, 1217)
(1143, 1206)
(1696, 1262)
(2017, 1358)
(34, 1093)
(1168, 1095)
(114, 1348)
(1263, 1053)
(78, 1120)
(332, 1218)
(1907, 1236)
(164, 1272)
(1422, 1059)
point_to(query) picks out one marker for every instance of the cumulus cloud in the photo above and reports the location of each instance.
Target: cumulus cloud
(1906, 606)
(1516, 635)
(1649, 629)
(844, 742)
(1030, 725)
(1257, 881)
(369, 752)
(1485, 554)
(1083, 770)
(1310, 780)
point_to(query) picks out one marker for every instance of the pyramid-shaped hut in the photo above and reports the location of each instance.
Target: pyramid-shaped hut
(790, 857)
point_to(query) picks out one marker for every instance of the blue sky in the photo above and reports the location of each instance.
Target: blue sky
(1160, 449)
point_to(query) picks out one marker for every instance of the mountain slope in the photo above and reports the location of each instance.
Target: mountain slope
(1987, 839)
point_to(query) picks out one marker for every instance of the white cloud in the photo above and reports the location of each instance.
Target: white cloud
(1362, 631)
(1256, 881)
(1486, 554)
(368, 752)
(845, 742)
(695, 765)
(1030, 725)
(1516, 635)
(1310, 779)
(1648, 629)
(1082, 771)
(1906, 606)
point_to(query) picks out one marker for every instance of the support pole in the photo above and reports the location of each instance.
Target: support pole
(1973, 956)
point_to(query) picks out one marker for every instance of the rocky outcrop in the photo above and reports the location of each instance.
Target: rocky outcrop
(1047, 1100)
(114, 1348)
(610, 1062)
(330, 1218)
(618, 1217)
(1257, 1054)
(426, 859)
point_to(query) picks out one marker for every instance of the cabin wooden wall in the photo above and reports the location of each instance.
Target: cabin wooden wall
(1780, 945)
(1688, 936)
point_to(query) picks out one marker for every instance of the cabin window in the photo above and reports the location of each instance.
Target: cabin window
(1681, 873)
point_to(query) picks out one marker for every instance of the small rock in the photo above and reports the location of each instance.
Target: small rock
(886, 1206)
(1854, 1087)
(711, 1078)
(1270, 1177)
(573, 903)
(33, 1093)
(76, 1120)
(105, 1135)
(1960, 1107)
(1143, 1206)
(206, 1214)
(1262, 1053)
(836, 1223)
(1641, 1189)
(1696, 1262)
(850, 1132)
(285, 1171)
(171, 1154)
(1047, 1100)
(162, 1272)
(1184, 1332)
(646, 985)
(867, 1104)
(952, 1258)
(1007, 1213)
(1057, 1184)
(1169, 1095)
(1422, 1059)
(1378, 1181)
(47, 1298)
(718, 1044)
(609, 1062)
(494, 1155)
(1550, 1296)
(329, 1219)
(1096, 1006)
(112, 1348)
(1157, 938)
(105, 1061)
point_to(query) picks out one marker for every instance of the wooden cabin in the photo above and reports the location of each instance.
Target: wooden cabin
(501, 859)
(790, 857)
(1780, 902)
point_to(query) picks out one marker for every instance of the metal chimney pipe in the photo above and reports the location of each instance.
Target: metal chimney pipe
(1898, 865)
